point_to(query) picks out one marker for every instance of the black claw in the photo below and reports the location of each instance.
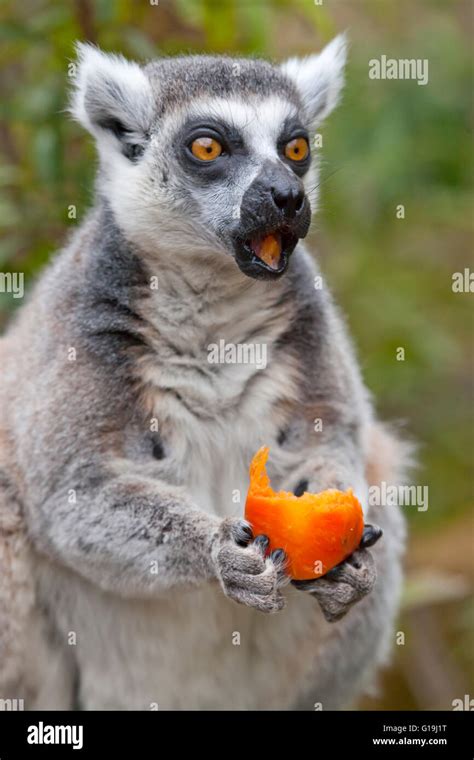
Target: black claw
(242, 533)
(278, 556)
(370, 536)
(301, 488)
(303, 585)
(261, 542)
(334, 572)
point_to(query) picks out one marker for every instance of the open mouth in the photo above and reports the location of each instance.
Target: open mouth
(266, 255)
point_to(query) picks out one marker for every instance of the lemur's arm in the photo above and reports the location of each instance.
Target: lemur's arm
(137, 536)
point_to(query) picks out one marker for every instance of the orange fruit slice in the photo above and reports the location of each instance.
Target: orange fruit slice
(316, 531)
(269, 250)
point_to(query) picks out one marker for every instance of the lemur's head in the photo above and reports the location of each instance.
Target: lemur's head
(210, 155)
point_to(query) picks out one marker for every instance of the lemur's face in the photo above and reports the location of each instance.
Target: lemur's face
(206, 156)
(242, 164)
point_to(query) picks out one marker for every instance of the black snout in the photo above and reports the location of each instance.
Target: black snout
(288, 197)
(275, 197)
(274, 204)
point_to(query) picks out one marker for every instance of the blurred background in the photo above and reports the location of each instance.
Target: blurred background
(390, 142)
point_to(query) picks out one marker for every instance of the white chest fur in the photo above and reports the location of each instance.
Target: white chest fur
(219, 386)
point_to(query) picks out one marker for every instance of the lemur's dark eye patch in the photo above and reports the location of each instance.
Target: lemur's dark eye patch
(293, 146)
(206, 143)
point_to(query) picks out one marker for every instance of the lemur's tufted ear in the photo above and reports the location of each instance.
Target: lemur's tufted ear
(112, 98)
(319, 78)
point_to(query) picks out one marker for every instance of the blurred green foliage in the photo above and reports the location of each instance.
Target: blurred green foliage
(389, 143)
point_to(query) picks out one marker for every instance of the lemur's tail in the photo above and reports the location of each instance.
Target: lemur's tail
(390, 458)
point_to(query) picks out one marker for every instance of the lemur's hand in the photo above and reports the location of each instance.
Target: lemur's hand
(245, 574)
(346, 583)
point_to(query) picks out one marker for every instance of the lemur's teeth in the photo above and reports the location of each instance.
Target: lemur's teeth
(268, 249)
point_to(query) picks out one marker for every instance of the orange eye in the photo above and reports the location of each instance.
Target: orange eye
(206, 148)
(297, 149)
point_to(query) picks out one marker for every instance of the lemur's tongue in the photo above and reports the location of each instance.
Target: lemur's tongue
(268, 249)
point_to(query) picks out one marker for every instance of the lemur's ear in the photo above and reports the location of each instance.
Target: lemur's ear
(112, 98)
(319, 78)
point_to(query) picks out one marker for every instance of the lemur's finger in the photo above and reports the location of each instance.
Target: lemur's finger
(241, 532)
(361, 576)
(263, 584)
(309, 585)
(278, 557)
(370, 536)
(261, 543)
(354, 560)
(280, 562)
(233, 560)
(268, 604)
(358, 572)
(336, 573)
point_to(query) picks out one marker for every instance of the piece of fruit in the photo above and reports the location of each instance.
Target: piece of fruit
(268, 249)
(316, 531)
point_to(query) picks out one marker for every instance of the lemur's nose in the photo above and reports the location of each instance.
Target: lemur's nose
(288, 198)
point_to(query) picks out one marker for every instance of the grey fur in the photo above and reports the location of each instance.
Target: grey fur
(343, 586)
(132, 532)
(221, 76)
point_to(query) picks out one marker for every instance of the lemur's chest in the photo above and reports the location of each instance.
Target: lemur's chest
(218, 390)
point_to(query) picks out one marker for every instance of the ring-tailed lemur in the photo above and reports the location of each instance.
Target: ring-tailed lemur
(129, 578)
